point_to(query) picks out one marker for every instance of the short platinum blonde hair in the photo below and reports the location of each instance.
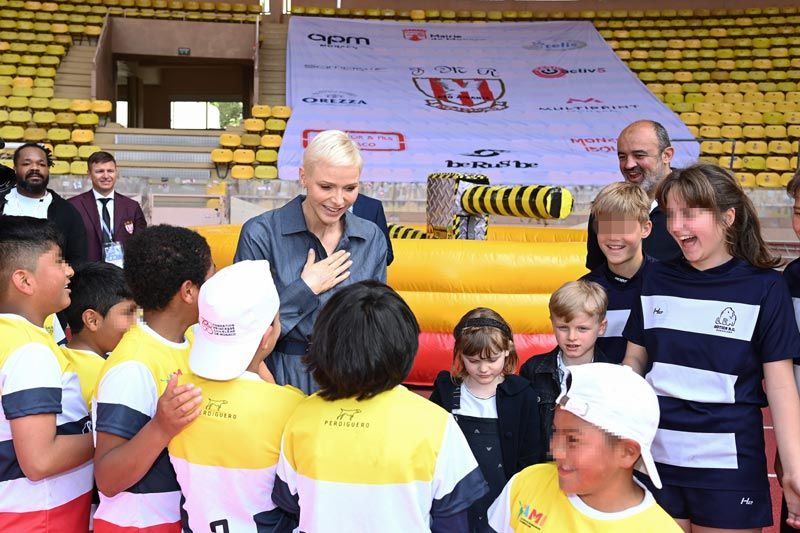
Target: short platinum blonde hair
(334, 148)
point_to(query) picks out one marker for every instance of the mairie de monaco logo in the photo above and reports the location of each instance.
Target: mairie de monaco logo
(460, 91)
(414, 34)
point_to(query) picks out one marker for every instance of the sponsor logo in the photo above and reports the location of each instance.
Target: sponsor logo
(530, 517)
(220, 330)
(338, 41)
(726, 321)
(217, 409)
(178, 372)
(465, 95)
(343, 68)
(346, 418)
(418, 34)
(552, 71)
(658, 311)
(591, 105)
(596, 144)
(746, 501)
(554, 45)
(488, 153)
(334, 98)
(370, 141)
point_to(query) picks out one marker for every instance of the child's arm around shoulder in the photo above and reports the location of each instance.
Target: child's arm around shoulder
(32, 394)
(119, 462)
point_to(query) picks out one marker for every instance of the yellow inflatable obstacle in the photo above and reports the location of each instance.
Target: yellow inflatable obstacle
(443, 279)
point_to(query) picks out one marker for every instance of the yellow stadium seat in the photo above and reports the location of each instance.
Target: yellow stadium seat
(230, 140)
(768, 180)
(267, 156)
(221, 156)
(58, 135)
(80, 106)
(780, 148)
(253, 125)
(778, 164)
(271, 140)
(710, 131)
(19, 117)
(242, 172)
(731, 132)
(87, 120)
(281, 111)
(38, 104)
(66, 152)
(774, 118)
(261, 111)
(753, 132)
(251, 140)
(86, 150)
(59, 168)
(266, 172)
(82, 136)
(44, 118)
(66, 119)
(101, 107)
(60, 104)
(775, 132)
(756, 147)
(78, 168)
(711, 148)
(244, 157)
(746, 179)
(754, 163)
(734, 163)
(12, 133)
(43, 93)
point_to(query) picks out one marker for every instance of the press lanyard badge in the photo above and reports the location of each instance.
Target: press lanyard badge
(112, 253)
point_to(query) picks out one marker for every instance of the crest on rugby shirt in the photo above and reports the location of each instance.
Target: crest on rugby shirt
(726, 320)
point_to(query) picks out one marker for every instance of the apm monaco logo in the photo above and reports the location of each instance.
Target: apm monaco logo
(418, 34)
(590, 104)
(338, 41)
(485, 153)
(334, 98)
(554, 45)
(552, 71)
(726, 321)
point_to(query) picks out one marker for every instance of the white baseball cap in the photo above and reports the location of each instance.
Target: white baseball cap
(236, 306)
(619, 401)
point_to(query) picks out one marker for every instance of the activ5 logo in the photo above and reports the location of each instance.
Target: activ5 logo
(552, 71)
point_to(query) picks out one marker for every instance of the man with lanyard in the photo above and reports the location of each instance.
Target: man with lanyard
(110, 218)
(645, 153)
(31, 197)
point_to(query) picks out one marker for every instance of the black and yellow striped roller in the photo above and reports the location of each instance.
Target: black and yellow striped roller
(528, 201)
(398, 231)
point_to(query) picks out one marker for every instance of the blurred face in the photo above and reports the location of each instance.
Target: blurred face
(103, 176)
(576, 338)
(621, 239)
(698, 232)
(330, 192)
(112, 327)
(585, 456)
(32, 171)
(485, 371)
(639, 158)
(51, 281)
(796, 216)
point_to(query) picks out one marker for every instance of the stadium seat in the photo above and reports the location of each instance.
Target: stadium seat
(59, 168)
(12, 133)
(244, 157)
(242, 172)
(756, 147)
(253, 125)
(261, 111)
(250, 140)
(65, 152)
(271, 140)
(281, 111)
(66, 119)
(80, 106)
(266, 172)
(222, 158)
(768, 180)
(19, 117)
(746, 179)
(81, 136)
(78, 168)
(86, 150)
(230, 140)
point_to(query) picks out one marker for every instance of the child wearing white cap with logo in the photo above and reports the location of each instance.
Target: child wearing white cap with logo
(604, 427)
(225, 460)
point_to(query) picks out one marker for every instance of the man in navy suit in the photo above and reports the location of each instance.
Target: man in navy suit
(109, 217)
(371, 209)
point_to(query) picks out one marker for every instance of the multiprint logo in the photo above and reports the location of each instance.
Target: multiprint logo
(415, 34)
(338, 41)
(465, 95)
(552, 71)
(346, 418)
(529, 516)
(217, 409)
(726, 321)
(554, 45)
(591, 104)
(589, 100)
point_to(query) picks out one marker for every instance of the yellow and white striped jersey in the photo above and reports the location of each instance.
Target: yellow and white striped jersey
(391, 463)
(87, 365)
(225, 460)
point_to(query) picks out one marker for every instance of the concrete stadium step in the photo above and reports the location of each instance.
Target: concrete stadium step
(163, 173)
(153, 156)
(74, 74)
(153, 138)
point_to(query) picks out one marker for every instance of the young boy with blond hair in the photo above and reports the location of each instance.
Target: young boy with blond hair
(622, 215)
(578, 315)
(46, 479)
(605, 422)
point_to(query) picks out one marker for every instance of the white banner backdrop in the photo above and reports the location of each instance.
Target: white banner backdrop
(524, 103)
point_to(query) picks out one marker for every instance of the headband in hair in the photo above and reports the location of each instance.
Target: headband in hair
(481, 323)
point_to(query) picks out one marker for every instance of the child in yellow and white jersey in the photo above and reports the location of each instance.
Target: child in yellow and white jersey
(605, 422)
(235, 443)
(45, 450)
(364, 453)
(138, 405)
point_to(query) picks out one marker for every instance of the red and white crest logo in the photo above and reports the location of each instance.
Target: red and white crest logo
(466, 95)
(415, 34)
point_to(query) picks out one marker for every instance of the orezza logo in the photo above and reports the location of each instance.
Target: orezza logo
(338, 41)
(552, 71)
(591, 105)
(485, 153)
(554, 45)
(726, 321)
(334, 98)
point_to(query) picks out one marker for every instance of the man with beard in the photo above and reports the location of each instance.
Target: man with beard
(31, 197)
(645, 153)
